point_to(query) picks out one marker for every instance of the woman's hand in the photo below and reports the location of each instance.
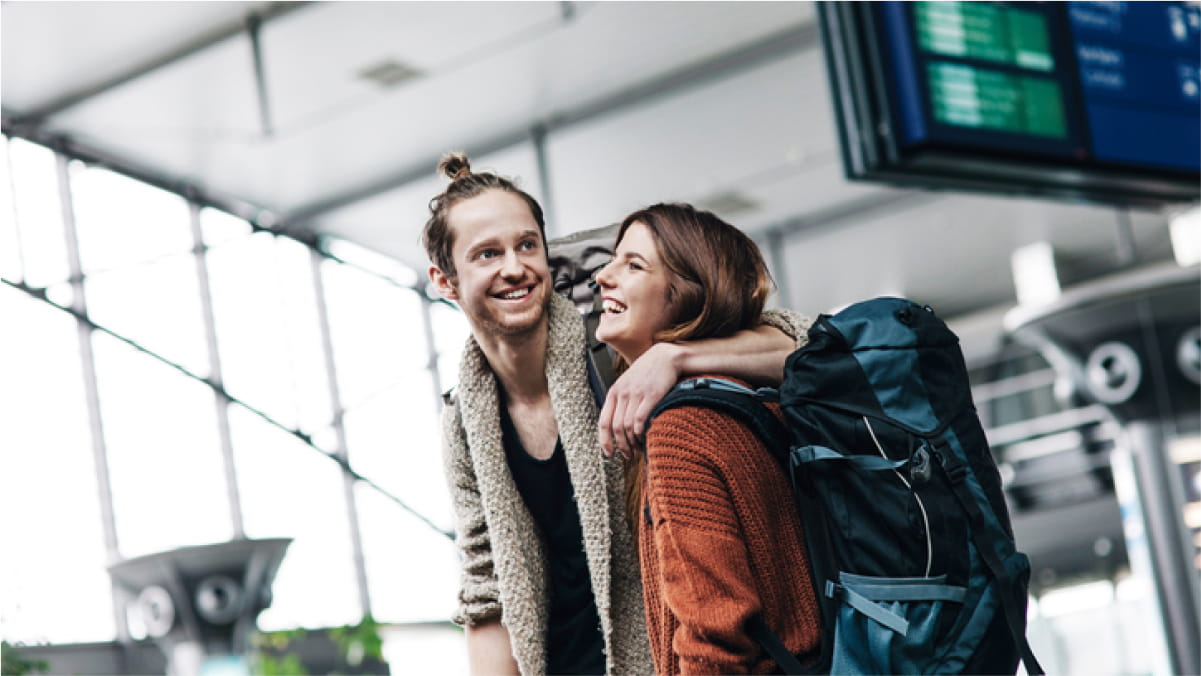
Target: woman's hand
(633, 396)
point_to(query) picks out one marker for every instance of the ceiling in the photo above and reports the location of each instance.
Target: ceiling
(724, 104)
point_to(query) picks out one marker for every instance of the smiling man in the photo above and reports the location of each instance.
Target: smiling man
(550, 580)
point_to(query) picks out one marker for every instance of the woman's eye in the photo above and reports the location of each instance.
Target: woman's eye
(635, 266)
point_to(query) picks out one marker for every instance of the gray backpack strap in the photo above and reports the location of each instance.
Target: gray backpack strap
(600, 360)
(595, 382)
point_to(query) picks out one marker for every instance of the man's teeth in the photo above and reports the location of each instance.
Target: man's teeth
(613, 307)
(515, 294)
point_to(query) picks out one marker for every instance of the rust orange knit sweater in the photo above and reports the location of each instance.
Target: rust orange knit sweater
(724, 543)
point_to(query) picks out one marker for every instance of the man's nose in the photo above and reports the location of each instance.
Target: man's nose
(511, 265)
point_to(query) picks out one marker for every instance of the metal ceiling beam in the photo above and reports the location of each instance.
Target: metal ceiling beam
(75, 150)
(272, 10)
(778, 45)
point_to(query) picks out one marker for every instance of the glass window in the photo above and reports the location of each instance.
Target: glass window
(135, 245)
(53, 582)
(412, 570)
(164, 453)
(450, 335)
(218, 227)
(393, 438)
(268, 334)
(166, 470)
(290, 490)
(378, 337)
(113, 234)
(11, 266)
(39, 218)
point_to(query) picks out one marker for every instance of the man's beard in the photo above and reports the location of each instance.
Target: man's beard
(493, 322)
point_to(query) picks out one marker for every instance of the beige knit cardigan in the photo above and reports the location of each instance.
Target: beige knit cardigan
(504, 567)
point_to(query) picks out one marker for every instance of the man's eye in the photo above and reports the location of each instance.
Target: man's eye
(527, 245)
(486, 254)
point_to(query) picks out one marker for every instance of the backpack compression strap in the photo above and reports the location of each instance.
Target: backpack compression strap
(956, 471)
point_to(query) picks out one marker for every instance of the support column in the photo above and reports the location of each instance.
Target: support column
(219, 399)
(538, 138)
(348, 482)
(1171, 560)
(427, 322)
(91, 390)
(775, 254)
(1124, 246)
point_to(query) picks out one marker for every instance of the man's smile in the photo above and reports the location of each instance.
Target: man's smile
(513, 294)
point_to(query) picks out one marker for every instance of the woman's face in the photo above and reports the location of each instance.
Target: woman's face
(634, 289)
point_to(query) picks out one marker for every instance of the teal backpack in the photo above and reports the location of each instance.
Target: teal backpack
(909, 539)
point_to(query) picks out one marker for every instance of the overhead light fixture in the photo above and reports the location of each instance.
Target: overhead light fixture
(1185, 228)
(388, 73)
(727, 203)
(1035, 278)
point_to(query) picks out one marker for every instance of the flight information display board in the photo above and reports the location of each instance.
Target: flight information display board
(1138, 65)
(1092, 100)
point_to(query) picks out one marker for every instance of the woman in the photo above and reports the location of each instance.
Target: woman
(719, 541)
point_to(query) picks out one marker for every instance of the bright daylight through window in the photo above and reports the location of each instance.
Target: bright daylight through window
(284, 317)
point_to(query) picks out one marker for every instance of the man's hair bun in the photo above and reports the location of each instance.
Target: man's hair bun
(455, 165)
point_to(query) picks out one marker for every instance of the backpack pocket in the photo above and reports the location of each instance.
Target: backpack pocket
(888, 625)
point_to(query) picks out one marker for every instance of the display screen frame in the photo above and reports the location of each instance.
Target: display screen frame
(888, 136)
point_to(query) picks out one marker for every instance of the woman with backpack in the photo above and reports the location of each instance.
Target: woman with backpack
(721, 547)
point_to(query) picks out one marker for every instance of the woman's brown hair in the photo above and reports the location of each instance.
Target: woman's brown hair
(718, 286)
(436, 236)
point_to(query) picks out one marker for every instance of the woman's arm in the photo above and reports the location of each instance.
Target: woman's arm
(756, 355)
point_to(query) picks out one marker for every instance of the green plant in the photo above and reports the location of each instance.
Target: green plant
(11, 662)
(266, 662)
(360, 641)
(355, 644)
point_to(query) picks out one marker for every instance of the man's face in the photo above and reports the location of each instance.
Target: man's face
(502, 282)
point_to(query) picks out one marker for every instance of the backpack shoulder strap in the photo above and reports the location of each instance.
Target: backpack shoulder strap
(743, 403)
(600, 361)
(596, 382)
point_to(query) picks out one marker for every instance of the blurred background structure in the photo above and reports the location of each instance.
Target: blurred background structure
(217, 344)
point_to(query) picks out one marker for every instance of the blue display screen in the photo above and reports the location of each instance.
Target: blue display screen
(1098, 83)
(1138, 65)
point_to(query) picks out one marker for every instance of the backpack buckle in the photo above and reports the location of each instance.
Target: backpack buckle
(832, 589)
(920, 467)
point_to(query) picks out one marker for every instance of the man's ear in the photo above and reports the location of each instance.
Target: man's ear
(443, 283)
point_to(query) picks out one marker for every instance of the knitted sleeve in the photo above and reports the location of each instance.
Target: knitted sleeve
(705, 566)
(795, 324)
(479, 592)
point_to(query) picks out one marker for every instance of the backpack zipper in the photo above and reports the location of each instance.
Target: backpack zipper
(920, 505)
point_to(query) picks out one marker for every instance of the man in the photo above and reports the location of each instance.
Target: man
(550, 574)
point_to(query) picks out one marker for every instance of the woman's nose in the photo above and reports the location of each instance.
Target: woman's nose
(603, 277)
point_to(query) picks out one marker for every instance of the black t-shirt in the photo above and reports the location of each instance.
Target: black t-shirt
(573, 637)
